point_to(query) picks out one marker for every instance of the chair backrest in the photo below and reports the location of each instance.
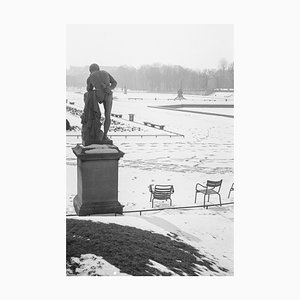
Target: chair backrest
(214, 184)
(163, 192)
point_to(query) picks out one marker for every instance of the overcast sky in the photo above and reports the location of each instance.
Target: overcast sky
(191, 46)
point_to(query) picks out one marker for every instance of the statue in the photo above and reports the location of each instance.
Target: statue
(179, 95)
(99, 90)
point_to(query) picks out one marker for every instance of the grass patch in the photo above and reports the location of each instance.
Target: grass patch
(129, 249)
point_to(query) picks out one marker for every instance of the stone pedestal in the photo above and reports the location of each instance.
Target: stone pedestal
(97, 179)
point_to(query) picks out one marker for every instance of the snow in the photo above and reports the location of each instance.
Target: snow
(101, 151)
(204, 153)
(92, 265)
(160, 267)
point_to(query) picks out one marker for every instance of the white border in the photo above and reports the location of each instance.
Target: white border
(33, 150)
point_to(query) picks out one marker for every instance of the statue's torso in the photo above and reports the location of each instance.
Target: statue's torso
(98, 80)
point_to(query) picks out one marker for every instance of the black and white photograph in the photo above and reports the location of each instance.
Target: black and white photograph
(149, 150)
(176, 174)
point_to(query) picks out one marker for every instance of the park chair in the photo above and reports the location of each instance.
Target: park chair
(231, 190)
(161, 192)
(211, 188)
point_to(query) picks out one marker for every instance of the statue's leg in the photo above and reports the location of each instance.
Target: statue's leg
(107, 103)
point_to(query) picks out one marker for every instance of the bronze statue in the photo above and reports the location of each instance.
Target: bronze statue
(99, 90)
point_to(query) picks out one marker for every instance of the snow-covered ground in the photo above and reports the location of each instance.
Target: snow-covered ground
(93, 265)
(204, 153)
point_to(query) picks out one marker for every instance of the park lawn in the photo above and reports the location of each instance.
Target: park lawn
(135, 251)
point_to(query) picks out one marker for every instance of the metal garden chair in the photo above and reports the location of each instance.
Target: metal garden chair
(231, 190)
(161, 192)
(211, 188)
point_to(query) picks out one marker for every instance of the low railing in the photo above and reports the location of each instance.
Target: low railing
(175, 207)
(166, 208)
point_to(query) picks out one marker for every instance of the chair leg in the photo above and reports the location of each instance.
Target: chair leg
(208, 198)
(195, 196)
(170, 202)
(152, 202)
(229, 193)
(220, 199)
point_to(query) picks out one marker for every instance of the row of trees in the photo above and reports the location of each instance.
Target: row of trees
(161, 78)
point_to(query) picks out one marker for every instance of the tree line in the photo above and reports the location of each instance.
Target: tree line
(161, 78)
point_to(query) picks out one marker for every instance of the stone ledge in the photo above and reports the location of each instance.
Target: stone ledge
(97, 152)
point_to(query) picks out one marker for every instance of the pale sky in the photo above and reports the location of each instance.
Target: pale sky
(191, 46)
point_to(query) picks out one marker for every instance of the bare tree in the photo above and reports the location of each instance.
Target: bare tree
(162, 78)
